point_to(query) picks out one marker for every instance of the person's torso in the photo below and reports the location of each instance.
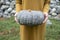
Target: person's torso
(33, 4)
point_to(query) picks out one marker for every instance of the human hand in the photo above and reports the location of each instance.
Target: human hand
(45, 17)
(16, 18)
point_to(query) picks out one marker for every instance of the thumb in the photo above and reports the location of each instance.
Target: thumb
(45, 18)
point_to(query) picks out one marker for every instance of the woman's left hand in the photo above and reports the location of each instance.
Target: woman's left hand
(45, 17)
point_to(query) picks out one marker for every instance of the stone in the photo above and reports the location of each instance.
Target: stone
(13, 11)
(4, 7)
(6, 13)
(10, 0)
(7, 3)
(12, 4)
(53, 2)
(53, 10)
(52, 5)
(58, 10)
(1, 13)
(49, 22)
(57, 17)
(57, 0)
(54, 14)
(2, 1)
(9, 9)
(49, 16)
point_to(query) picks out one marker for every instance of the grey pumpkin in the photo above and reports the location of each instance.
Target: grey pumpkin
(26, 17)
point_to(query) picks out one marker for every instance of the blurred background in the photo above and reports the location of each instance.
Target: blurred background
(9, 29)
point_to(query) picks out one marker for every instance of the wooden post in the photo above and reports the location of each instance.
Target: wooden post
(36, 32)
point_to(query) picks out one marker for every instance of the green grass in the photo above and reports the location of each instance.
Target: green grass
(9, 30)
(53, 31)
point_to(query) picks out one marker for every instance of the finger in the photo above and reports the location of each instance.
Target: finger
(16, 14)
(16, 20)
(45, 19)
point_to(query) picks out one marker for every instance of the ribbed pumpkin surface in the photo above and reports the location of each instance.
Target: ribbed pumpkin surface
(30, 18)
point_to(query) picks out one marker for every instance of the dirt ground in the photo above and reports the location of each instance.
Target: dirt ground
(1, 19)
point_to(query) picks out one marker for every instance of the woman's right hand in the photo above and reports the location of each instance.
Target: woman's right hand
(16, 18)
